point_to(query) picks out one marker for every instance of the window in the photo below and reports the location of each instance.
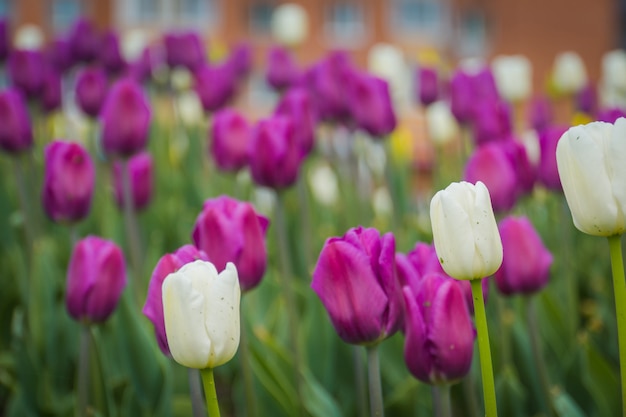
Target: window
(64, 13)
(345, 22)
(423, 18)
(168, 14)
(472, 34)
(260, 15)
(196, 13)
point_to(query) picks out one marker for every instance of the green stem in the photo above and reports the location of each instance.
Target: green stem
(132, 228)
(195, 391)
(359, 381)
(619, 287)
(441, 400)
(570, 279)
(246, 370)
(83, 371)
(210, 393)
(535, 344)
(469, 392)
(305, 216)
(489, 388)
(375, 385)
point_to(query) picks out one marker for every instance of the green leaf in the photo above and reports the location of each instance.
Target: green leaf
(317, 400)
(565, 406)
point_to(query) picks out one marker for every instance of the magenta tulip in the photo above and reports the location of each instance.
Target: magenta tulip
(228, 230)
(59, 55)
(140, 175)
(329, 80)
(16, 133)
(91, 90)
(296, 104)
(547, 172)
(214, 85)
(84, 40)
(230, 138)
(96, 278)
(68, 182)
(370, 104)
(610, 115)
(526, 262)
(153, 307)
(27, 71)
(240, 59)
(52, 94)
(540, 113)
(356, 280)
(427, 82)
(491, 120)
(184, 49)
(282, 71)
(110, 54)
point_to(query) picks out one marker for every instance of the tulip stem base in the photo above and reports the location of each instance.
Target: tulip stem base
(210, 392)
(83, 371)
(619, 288)
(195, 391)
(486, 367)
(375, 385)
(441, 400)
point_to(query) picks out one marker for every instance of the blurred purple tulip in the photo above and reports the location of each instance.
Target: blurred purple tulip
(610, 115)
(356, 280)
(59, 55)
(547, 171)
(96, 278)
(492, 121)
(525, 171)
(468, 88)
(184, 49)
(329, 80)
(153, 307)
(5, 39)
(427, 85)
(230, 138)
(540, 113)
(214, 85)
(282, 71)
(16, 133)
(27, 71)
(587, 100)
(228, 230)
(125, 119)
(526, 262)
(141, 69)
(68, 182)
(91, 90)
(84, 40)
(110, 54)
(370, 104)
(52, 94)
(274, 153)
(240, 59)
(296, 104)
(439, 333)
(140, 174)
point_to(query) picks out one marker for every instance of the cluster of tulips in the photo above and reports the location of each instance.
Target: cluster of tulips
(427, 285)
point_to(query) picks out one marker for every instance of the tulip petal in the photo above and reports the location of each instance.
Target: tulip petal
(253, 257)
(617, 168)
(486, 236)
(416, 355)
(102, 297)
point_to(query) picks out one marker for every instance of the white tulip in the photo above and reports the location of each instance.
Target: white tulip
(569, 73)
(29, 37)
(465, 232)
(441, 124)
(514, 76)
(201, 311)
(290, 24)
(590, 159)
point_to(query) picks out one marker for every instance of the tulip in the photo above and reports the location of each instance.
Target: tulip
(290, 24)
(96, 278)
(240, 59)
(201, 311)
(185, 49)
(296, 103)
(387, 62)
(230, 136)
(440, 336)
(140, 175)
(610, 115)
(540, 113)
(513, 75)
(467, 86)
(569, 73)
(68, 181)
(526, 262)
(491, 120)
(355, 278)
(52, 94)
(614, 69)
(228, 230)
(427, 81)
(465, 232)
(274, 153)
(441, 125)
(548, 172)
(110, 53)
(27, 71)
(370, 104)
(84, 41)
(16, 134)
(590, 160)
(214, 85)
(153, 307)
(91, 90)
(329, 81)
(59, 55)
(282, 71)
(586, 99)
(125, 118)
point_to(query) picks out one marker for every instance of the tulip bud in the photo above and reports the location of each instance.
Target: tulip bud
(274, 154)
(96, 278)
(84, 41)
(184, 49)
(370, 104)
(548, 172)
(52, 95)
(140, 175)
(513, 75)
(427, 82)
(441, 125)
(540, 113)
(290, 24)
(230, 137)
(296, 104)
(153, 307)
(465, 232)
(329, 82)
(201, 311)
(590, 160)
(569, 74)
(356, 280)
(240, 59)
(91, 90)
(68, 182)
(125, 118)
(16, 134)
(26, 71)
(228, 230)
(526, 262)
(214, 85)
(491, 120)
(439, 340)
(282, 71)
(59, 55)
(110, 53)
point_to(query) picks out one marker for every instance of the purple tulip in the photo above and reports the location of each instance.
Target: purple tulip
(547, 172)
(240, 60)
(52, 94)
(356, 280)
(16, 133)
(491, 120)
(466, 89)
(140, 175)
(214, 85)
(91, 90)
(439, 333)
(68, 182)
(610, 115)
(153, 307)
(110, 54)
(282, 71)
(59, 55)
(84, 41)
(540, 113)
(525, 171)
(96, 278)
(230, 138)
(5, 39)
(125, 119)
(184, 49)
(274, 153)
(370, 104)
(228, 230)
(427, 85)
(141, 69)
(329, 80)
(587, 100)
(296, 103)
(491, 165)
(27, 71)
(526, 262)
